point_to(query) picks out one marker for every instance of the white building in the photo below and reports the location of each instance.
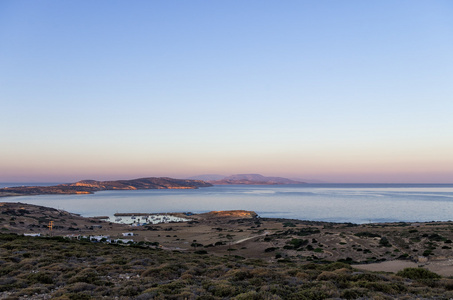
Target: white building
(99, 238)
(32, 234)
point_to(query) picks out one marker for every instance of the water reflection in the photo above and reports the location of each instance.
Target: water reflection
(336, 203)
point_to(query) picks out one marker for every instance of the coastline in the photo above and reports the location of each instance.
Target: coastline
(331, 203)
(250, 235)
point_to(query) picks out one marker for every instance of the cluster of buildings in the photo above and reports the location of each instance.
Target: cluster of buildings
(146, 220)
(103, 238)
(95, 238)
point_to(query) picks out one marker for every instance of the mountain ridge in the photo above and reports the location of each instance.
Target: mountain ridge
(253, 179)
(207, 177)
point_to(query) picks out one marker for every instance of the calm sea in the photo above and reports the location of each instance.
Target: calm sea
(356, 203)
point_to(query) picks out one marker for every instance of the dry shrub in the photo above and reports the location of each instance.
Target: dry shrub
(343, 271)
(239, 274)
(311, 294)
(302, 275)
(61, 297)
(253, 295)
(354, 293)
(172, 288)
(329, 289)
(186, 295)
(61, 267)
(165, 272)
(327, 275)
(384, 287)
(103, 291)
(222, 289)
(130, 290)
(145, 296)
(10, 283)
(369, 277)
(417, 274)
(212, 272)
(446, 283)
(28, 261)
(34, 290)
(262, 272)
(88, 275)
(198, 271)
(40, 277)
(186, 276)
(80, 287)
(26, 267)
(9, 269)
(141, 262)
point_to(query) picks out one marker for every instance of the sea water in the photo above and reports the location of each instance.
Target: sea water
(355, 203)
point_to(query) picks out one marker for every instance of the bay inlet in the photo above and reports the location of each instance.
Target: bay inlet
(355, 203)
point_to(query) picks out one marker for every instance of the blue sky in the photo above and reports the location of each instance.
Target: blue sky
(341, 91)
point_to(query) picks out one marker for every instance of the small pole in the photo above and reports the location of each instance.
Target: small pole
(50, 226)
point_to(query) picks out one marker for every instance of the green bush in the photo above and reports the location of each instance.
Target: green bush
(270, 249)
(367, 234)
(222, 289)
(79, 296)
(435, 237)
(418, 273)
(354, 293)
(297, 243)
(40, 277)
(312, 294)
(384, 242)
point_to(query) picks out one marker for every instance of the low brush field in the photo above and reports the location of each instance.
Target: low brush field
(57, 268)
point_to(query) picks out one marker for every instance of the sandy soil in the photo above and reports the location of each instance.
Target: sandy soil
(387, 266)
(441, 267)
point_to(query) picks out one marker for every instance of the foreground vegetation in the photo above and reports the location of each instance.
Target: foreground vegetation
(58, 268)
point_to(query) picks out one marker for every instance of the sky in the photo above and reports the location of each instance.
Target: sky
(338, 91)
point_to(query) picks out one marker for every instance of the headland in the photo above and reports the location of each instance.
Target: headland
(91, 186)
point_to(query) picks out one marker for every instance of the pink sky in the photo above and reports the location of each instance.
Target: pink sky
(339, 91)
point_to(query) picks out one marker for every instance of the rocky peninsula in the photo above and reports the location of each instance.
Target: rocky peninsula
(91, 186)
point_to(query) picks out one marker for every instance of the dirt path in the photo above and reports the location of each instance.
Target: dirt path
(249, 238)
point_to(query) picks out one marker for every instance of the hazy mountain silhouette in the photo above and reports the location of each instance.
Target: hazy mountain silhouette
(254, 179)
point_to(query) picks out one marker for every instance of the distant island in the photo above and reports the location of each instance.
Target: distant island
(252, 179)
(91, 186)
